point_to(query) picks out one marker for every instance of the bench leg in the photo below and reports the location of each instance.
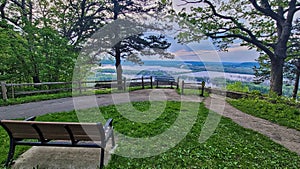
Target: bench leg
(10, 153)
(113, 143)
(101, 158)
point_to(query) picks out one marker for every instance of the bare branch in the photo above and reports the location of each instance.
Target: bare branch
(239, 25)
(247, 39)
(292, 10)
(2, 6)
(266, 9)
(17, 3)
(189, 2)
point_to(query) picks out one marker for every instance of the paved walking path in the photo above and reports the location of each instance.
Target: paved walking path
(69, 104)
(289, 138)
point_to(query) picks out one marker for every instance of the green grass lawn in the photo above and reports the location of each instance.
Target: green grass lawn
(231, 146)
(279, 113)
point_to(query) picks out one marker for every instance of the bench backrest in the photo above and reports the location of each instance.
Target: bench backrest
(54, 130)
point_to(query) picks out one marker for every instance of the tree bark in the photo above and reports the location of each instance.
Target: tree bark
(296, 86)
(119, 68)
(36, 79)
(276, 81)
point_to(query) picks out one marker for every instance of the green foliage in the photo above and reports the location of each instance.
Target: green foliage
(13, 55)
(48, 56)
(231, 146)
(57, 57)
(40, 97)
(255, 93)
(275, 109)
(237, 87)
(33, 49)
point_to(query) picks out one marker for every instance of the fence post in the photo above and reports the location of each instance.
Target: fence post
(177, 86)
(12, 91)
(182, 87)
(124, 84)
(84, 86)
(202, 88)
(143, 85)
(4, 90)
(79, 83)
(151, 82)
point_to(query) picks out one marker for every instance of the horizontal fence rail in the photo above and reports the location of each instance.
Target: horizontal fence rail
(182, 85)
(17, 89)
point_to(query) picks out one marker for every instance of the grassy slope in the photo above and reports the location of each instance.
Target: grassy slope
(230, 146)
(279, 113)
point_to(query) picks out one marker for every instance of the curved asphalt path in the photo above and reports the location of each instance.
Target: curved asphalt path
(82, 102)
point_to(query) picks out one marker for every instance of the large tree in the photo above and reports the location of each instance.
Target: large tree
(133, 46)
(132, 10)
(265, 25)
(292, 72)
(13, 55)
(77, 20)
(122, 39)
(292, 62)
(48, 56)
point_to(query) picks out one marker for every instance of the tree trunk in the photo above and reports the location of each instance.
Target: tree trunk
(296, 86)
(36, 79)
(276, 75)
(118, 68)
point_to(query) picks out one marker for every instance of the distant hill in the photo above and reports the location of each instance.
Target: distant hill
(197, 66)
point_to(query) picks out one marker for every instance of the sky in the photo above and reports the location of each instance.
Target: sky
(206, 51)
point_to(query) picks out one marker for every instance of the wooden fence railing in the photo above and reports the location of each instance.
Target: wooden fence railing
(182, 85)
(201, 86)
(15, 89)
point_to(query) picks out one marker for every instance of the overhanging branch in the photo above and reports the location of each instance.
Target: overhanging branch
(249, 40)
(232, 19)
(266, 9)
(189, 2)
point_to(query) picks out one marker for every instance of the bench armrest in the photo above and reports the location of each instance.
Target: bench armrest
(108, 124)
(32, 118)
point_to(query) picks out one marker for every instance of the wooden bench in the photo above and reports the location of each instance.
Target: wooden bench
(61, 134)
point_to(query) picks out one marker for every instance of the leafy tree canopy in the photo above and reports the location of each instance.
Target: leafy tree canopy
(264, 25)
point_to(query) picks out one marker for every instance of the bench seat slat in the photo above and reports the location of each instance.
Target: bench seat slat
(53, 130)
(63, 144)
(25, 131)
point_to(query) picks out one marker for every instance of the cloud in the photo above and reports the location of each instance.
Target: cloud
(236, 53)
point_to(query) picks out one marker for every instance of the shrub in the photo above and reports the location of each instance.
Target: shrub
(237, 87)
